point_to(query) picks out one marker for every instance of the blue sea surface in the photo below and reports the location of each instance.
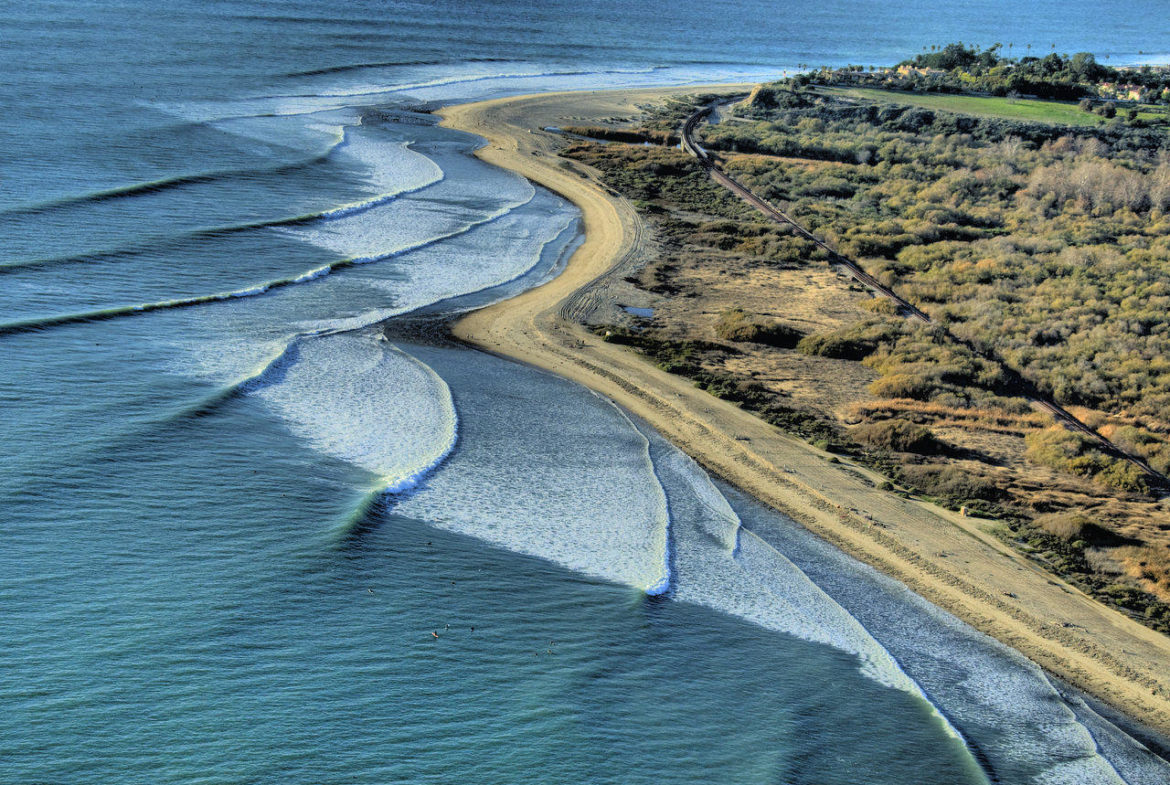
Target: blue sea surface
(258, 527)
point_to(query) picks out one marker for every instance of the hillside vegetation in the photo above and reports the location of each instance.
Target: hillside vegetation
(997, 70)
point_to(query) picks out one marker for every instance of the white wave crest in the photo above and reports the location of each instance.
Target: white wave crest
(392, 168)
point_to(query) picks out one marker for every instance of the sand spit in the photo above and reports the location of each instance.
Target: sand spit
(950, 560)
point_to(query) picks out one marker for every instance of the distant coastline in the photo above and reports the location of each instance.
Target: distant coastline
(984, 583)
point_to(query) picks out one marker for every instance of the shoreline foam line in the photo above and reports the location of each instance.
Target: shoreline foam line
(1100, 651)
(847, 633)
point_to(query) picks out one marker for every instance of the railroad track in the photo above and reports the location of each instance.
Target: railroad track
(1019, 384)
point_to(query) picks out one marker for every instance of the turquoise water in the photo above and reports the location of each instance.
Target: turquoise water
(243, 491)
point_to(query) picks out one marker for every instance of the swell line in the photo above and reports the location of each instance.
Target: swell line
(459, 80)
(262, 376)
(169, 183)
(398, 89)
(341, 69)
(173, 241)
(267, 372)
(39, 323)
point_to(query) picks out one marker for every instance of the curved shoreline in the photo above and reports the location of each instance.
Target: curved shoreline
(950, 560)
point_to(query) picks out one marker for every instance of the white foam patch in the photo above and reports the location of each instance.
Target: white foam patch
(479, 259)
(753, 580)
(1002, 703)
(545, 469)
(391, 167)
(470, 193)
(720, 565)
(361, 400)
(1136, 764)
(486, 256)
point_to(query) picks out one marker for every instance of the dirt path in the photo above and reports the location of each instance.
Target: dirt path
(951, 560)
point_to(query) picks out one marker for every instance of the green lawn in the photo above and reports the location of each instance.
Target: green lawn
(1055, 112)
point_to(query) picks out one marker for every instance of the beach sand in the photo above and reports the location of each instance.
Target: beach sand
(953, 561)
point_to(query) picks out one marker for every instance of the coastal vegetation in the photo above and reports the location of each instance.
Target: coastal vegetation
(958, 68)
(741, 326)
(1042, 251)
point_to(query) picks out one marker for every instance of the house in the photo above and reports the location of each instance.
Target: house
(1121, 92)
(909, 70)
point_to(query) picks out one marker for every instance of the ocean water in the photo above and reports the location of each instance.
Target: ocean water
(259, 526)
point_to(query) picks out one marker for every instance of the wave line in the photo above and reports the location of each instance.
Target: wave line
(168, 183)
(39, 323)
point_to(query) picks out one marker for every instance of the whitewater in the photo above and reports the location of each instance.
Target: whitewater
(265, 522)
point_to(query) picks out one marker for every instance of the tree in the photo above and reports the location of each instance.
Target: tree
(1086, 105)
(1084, 67)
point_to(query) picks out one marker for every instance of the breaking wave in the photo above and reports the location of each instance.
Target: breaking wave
(370, 90)
(723, 565)
(363, 400)
(546, 469)
(40, 323)
(385, 171)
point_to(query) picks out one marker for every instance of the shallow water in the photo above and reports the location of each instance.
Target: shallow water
(204, 576)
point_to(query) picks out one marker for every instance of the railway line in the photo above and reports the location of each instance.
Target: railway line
(1018, 383)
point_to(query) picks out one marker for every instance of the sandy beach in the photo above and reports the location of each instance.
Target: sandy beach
(951, 560)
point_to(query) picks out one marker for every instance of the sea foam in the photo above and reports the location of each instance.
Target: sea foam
(1003, 704)
(546, 469)
(363, 401)
(391, 167)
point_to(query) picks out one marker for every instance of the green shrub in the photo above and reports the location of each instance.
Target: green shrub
(1064, 450)
(881, 305)
(904, 385)
(952, 484)
(740, 326)
(855, 342)
(837, 346)
(899, 436)
(1073, 527)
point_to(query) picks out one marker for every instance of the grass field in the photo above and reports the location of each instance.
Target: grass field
(1055, 112)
